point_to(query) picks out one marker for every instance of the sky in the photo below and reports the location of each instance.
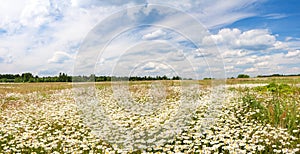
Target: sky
(189, 38)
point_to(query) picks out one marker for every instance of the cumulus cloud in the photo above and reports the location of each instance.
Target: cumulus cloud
(255, 39)
(254, 51)
(154, 35)
(10, 15)
(233, 53)
(35, 13)
(43, 26)
(201, 53)
(60, 57)
(154, 66)
(176, 56)
(251, 70)
(262, 64)
(36, 28)
(291, 54)
(246, 60)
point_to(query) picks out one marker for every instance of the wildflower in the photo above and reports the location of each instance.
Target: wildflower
(276, 151)
(295, 131)
(260, 147)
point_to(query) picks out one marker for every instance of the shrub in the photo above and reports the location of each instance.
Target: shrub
(243, 76)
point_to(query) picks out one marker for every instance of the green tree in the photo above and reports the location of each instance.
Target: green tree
(26, 77)
(243, 76)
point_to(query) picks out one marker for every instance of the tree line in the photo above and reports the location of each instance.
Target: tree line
(29, 77)
(63, 77)
(277, 75)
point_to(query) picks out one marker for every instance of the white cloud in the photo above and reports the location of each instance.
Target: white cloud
(5, 56)
(256, 39)
(294, 54)
(150, 66)
(35, 13)
(275, 16)
(246, 60)
(41, 27)
(213, 14)
(154, 35)
(176, 56)
(262, 64)
(10, 12)
(233, 53)
(34, 29)
(200, 52)
(59, 57)
(229, 68)
(255, 51)
(280, 46)
(251, 70)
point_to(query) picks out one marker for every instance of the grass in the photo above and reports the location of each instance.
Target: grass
(286, 80)
(278, 105)
(43, 118)
(14, 95)
(25, 88)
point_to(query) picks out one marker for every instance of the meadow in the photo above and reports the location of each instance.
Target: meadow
(256, 115)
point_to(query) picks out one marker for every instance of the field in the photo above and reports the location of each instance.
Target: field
(260, 115)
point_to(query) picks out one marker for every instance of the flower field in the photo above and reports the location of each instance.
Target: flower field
(250, 118)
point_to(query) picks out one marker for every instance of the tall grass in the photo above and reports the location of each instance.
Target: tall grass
(275, 104)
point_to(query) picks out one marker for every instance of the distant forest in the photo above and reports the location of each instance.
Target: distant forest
(277, 75)
(63, 77)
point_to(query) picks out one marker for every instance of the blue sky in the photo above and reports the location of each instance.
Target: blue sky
(46, 37)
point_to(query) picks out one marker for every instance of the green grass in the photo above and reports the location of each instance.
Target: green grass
(276, 105)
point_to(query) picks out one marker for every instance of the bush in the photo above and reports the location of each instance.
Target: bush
(243, 76)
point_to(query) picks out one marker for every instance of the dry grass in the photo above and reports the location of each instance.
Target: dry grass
(15, 95)
(287, 80)
(25, 88)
